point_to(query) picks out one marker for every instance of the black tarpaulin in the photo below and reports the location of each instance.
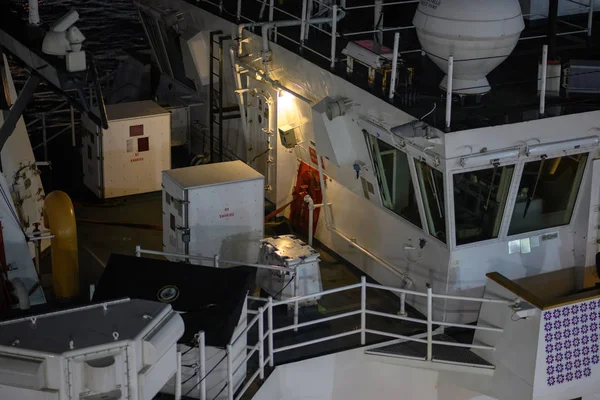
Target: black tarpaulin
(211, 298)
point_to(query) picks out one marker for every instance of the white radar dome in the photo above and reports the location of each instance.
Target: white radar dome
(479, 34)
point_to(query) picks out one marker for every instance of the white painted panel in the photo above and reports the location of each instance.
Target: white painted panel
(593, 243)
(127, 168)
(18, 167)
(227, 220)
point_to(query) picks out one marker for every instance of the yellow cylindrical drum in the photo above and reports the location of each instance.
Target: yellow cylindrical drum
(59, 217)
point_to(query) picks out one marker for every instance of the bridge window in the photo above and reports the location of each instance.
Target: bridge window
(431, 183)
(479, 200)
(395, 183)
(547, 193)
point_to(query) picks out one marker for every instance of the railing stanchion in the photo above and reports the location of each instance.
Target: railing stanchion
(261, 343)
(334, 35)
(544, 81)
(429, 323)
(178, 378)
(296, 304)
(303, 24)
(45, 140)
(402, 305)
(311, 213)
(590, 18)
(201, 381)
(270, 327)
(229, 374)
(73, 140)
(450, 77)
(138, 251)
(363, 310)
(394, 65)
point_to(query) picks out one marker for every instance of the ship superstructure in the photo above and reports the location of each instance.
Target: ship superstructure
(434, 186)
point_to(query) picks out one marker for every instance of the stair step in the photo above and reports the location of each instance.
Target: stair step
(441, 353)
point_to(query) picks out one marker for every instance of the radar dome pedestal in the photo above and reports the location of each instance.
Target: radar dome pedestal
(479, 34)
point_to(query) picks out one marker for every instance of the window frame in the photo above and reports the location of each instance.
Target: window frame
(413, 175)
(550, 155)
(445, 206)
(518, 169)
(512, 197)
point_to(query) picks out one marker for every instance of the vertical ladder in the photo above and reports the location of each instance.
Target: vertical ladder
(218, 111)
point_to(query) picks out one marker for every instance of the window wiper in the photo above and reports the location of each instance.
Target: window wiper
(537, 180)
(487, 202)
(435, 192)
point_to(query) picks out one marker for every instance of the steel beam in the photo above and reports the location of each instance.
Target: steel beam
(17, 109)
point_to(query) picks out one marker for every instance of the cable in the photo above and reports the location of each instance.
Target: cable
(432, 110)
(207, 374)
(286, 285)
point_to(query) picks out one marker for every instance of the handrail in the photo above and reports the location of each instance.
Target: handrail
(266, 351)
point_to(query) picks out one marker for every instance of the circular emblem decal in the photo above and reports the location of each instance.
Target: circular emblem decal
(168, 294)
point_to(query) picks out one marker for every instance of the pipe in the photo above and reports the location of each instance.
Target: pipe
(22, 294)
(59, 217)
(202, 362)
(278, 85)
(544, 80)
(333, 37)
(450, 78)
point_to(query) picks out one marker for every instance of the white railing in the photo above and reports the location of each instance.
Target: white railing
(266, 351)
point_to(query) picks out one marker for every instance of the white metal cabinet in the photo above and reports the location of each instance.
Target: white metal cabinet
(129, 156)
(214, 209)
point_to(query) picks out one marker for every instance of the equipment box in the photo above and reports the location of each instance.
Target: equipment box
(129, 156)
(214, 209)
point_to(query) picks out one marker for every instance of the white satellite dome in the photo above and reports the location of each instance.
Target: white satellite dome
(486, 30)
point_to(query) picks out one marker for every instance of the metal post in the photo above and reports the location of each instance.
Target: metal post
(216, 261)
(544, 80)
(271, 10)
(34, 15)
(590, 18)
(178, 377)
(201, 381)
(270, 327)
(552, 27)
(334, 35)
(296, 305)
(229, 374)
(261, 343)
(303, 24)
(311, 212)
(377, 24)
(449, 92)
(73, 142)
(44, 138)
(138, 251)
(429, 323)
(402, 304)
(238, 14)
(394, 65)
(363, 310)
